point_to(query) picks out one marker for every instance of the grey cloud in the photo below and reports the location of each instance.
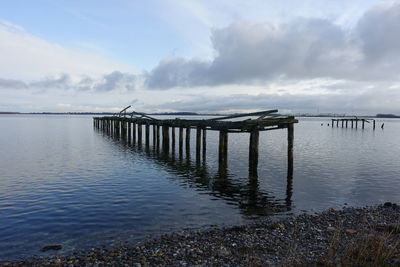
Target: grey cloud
(302, 49)
(12, 84)
(113, 81)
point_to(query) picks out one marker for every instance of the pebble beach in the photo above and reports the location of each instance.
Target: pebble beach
(333, 237)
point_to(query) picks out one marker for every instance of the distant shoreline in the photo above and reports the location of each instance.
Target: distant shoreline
(380, 116)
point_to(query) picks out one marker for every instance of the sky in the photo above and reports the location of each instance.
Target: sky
(311, 56)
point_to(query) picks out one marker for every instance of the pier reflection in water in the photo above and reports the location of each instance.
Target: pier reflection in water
(246, 193)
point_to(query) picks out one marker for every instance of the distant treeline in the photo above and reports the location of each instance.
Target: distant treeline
(387, 116)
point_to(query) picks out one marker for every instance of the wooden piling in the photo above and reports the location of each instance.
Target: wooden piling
(180, 141)
(204, 144)
(187, 145)
(253, 149)
(290, 136)
(198, 143)
(133, 133)
(165, 136)
(147, 135)
(373, 124)
(363, 123)
(158, 137)
(223, 147)
(154, 135)
(173, 139)
(140, 139)
(342, 123)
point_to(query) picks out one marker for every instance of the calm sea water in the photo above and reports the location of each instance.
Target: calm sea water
(63, 182)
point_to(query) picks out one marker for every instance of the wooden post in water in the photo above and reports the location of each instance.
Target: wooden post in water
(173, 139)
(147, 135)
(158, 137)
(290, 148)
(332, 122)
(129, 132)
(165, 135)
(356, 123)
(134, 133)
(140, 139)
(342, 123)
(347, 122)
(198, 143)
(363, 123)
(253, 150)
(154, 135)
(204, 143)
(352, 123)
(187, 142)
(223, 147)
(373, 124)
(337, 123)
(123, 129)
(180, 141)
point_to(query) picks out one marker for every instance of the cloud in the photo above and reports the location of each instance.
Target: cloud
(248, 53)
(25, 56)
(10, 83)
(114, 81)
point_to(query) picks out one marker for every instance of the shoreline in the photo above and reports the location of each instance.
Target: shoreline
(330, 237)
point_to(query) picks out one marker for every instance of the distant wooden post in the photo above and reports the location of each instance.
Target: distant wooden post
(373, 124)
(356, 123)
(346, 122)
(352, 123)
(342, 123)
(165, 135)
(363, 123)
(253, 149)
(123, 129)
(332, 122)
(140, 139)
(337, 123)
(198, 143)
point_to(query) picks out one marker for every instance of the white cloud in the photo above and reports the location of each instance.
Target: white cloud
(24, 56)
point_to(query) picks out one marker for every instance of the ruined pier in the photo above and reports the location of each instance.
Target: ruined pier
(352, 122)
(136, 127)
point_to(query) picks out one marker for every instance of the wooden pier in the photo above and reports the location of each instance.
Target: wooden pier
(129, 126)
(352, 122)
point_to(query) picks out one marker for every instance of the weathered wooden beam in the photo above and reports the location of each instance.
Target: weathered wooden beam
(261, 113)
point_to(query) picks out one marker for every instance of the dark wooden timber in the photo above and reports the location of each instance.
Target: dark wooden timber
(253, 123)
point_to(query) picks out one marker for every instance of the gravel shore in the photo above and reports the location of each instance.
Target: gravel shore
(328, 238)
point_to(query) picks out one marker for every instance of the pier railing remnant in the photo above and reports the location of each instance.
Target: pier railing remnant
(131, 129)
